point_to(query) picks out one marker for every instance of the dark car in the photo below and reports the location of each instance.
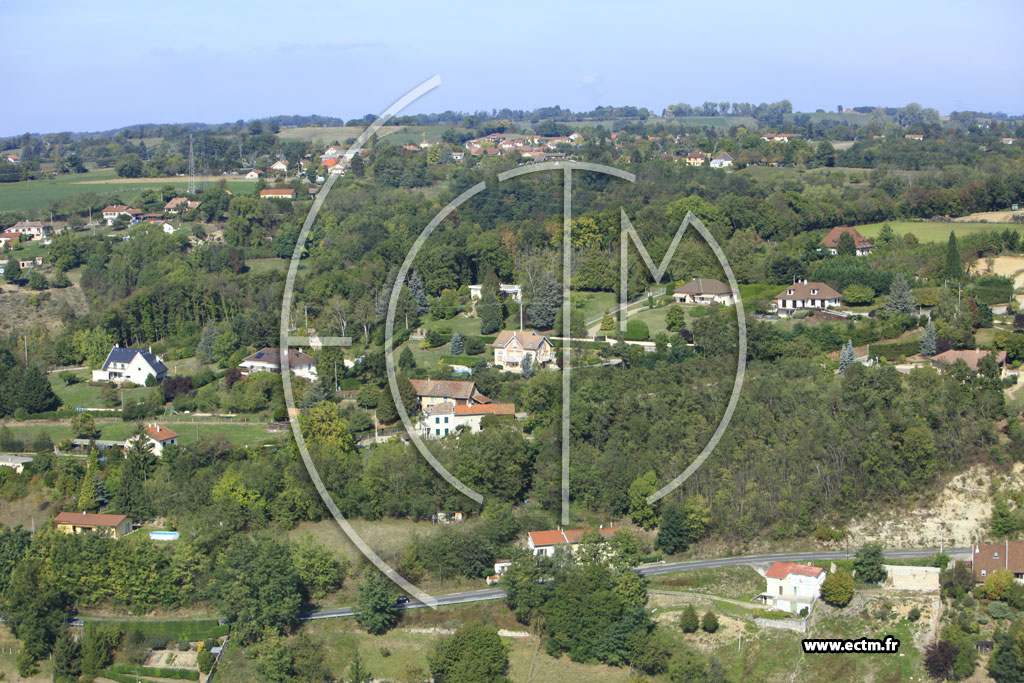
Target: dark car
(402, 599)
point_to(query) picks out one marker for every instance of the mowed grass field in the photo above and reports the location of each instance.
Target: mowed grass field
(241, 433)
(36, 194)
(937, 232)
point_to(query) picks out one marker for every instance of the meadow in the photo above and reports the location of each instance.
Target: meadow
(937, 232)
(31, 195)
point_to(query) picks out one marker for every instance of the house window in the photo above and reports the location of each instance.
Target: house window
(983, 572)
(446, 419)
(780, 590)
(996, 555)
(437, 420)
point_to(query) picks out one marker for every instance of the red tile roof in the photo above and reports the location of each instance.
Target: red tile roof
(277, 193)
(832, 238)
(160, 433)
(989, 557)
(448, 388)
(559, 536)
(491, 409)
(89, 519)
(780, 570)
(969, 356)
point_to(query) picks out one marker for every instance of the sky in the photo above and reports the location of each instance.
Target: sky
(77, 66)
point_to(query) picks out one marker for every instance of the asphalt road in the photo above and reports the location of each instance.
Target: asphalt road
(653, 570)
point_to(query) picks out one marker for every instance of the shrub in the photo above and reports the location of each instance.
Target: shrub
(205, 661)
(999, 610)
(474, 346)
(637, 330)
(709, 623)
(914, 614)
(837, 589)
(688, 620)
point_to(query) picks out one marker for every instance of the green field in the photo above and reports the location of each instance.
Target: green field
(937, 232)
(326, 135)
(36, 194)
(239, 433)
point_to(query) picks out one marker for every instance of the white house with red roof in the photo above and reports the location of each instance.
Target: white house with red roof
(545, 542)
(802, 295)
(830, 242)
(792, 586)
(158, 436)
(441, 419)
(113, 212)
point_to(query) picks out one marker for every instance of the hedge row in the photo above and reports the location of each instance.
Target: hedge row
(155, 672)
(893, 349)
(174, 631)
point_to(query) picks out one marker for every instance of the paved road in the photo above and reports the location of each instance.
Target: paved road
(654, 570)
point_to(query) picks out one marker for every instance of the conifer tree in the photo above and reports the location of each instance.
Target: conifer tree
(954, 271)
(901, 298)
(928, 340)
(458, 346)
(419, 294)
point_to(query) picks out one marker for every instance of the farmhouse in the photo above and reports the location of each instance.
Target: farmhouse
(914, 136)
(330, 162)
(13, 159)
(268, 359)
(988, 557)
(157, 436)
(722, 160)
(112, 213)
(33, 230)
(803, 294)
(333, 152)
(9, 238)
(441, 419)
(253, 175)
(702, 290)
(830, 242)
(130, 365)
(513, 291)
(792, 587)
(431, 392)
(943, 361)
(695, 158)
(280, 165)
(512, 347)
(545, 542)
(277, 194)
(180, 203)
(114, 526)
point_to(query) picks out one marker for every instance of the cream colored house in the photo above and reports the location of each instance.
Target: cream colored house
(511, 347)
(545, 542)
(792, 587)
(703, 290)
(114, 526)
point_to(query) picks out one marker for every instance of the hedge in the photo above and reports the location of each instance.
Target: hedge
(63, 414)
(893, 349)
(156, 672)
(175, 631)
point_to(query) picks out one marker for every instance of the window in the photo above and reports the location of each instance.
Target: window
(983, 572)
(446, 419)
(437, 420)
(996, 555)
(437, 432)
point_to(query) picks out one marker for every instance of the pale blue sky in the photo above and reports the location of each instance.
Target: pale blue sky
(93, 66)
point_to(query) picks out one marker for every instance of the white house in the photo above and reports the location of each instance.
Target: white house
(268, 359)
(545, 542)
(15, 462)
(280, 165)
(513, 291)
(803, 294)
(722, 160)
(158, 436)
(253, 175)
(792, 587)
(703, 290)
(130, 365)
(444, 418)
(33, 230)
(111, 213)
(333, 152)
(511, 347)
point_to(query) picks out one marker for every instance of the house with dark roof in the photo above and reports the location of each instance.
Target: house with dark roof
(157, 436)
(431, 392)
(114, 526)
(989, 557)
(830, 242)
(722, 160)
(803, 295)
(130, 365)
(792, 587)
(511, 347)
(706, 291)
(268, 359)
